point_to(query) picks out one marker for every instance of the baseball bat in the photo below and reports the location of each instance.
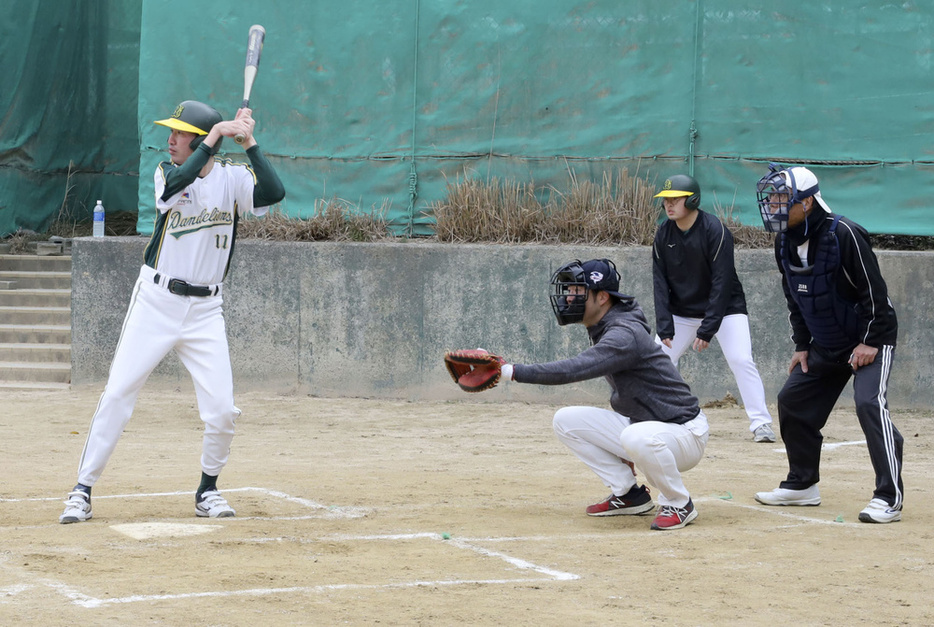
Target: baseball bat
(254, 49)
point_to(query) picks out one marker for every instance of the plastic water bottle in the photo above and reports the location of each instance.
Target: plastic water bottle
(99, 219)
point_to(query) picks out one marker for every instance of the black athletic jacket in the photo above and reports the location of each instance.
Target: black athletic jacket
(695, 276)
(858, 281)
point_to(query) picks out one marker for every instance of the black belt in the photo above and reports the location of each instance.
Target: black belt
(177, 286)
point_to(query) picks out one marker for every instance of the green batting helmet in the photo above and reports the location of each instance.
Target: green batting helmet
(682, 185)
(195, 117)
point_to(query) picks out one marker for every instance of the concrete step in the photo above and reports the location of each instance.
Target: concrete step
(35, 315)
(33, 385)
(35, 263)
(35, 372)
(55, 353)
(35, 298)
(35, 319)
(25, 280)
(35, 334)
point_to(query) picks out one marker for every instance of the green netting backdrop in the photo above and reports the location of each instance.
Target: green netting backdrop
(68, 109)
(383, 103)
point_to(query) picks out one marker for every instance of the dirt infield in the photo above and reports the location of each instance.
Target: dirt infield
(366, 512)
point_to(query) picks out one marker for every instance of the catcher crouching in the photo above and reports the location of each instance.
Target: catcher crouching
(655, 421)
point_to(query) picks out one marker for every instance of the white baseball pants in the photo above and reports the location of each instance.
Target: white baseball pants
(736, 344)
(156, 322)
(606, 440)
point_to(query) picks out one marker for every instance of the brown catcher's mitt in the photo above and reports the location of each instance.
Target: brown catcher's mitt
(474, 370)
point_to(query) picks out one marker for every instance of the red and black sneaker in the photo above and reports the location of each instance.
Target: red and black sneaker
(671, 517)
(636, 501)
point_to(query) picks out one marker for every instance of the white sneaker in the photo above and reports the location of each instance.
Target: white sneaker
(783, 496)
(213, 505)
(77, 508)
(763, 433)
(878, 511)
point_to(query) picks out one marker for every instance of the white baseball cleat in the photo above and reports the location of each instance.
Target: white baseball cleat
(878, 511)
(77, 508)
(213, 505)
(784, 496)
(763, 433)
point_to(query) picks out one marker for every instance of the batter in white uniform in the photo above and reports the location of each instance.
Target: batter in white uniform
(177, 300)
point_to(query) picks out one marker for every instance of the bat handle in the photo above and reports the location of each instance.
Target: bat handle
(239, 138)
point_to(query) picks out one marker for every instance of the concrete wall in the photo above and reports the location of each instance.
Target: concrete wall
(373, 320)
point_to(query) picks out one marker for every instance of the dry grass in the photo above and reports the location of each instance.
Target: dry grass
(19, 241)
(619, 210)
(498, 211)
(744, 235)
(335, 220)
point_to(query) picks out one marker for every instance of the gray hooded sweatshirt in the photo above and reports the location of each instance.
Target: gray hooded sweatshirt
(645, 383)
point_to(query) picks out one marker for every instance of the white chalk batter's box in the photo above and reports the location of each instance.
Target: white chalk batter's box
(151, 560)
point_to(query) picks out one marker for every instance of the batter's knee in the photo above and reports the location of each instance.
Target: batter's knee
(223, 422)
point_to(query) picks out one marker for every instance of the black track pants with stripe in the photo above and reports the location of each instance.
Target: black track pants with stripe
(805, 403)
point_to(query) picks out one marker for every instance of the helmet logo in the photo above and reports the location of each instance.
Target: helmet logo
(667, 184)
(596, 277)
(178, 111)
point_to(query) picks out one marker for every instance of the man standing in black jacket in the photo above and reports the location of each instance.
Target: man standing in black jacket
(698, 294)
(843, 325)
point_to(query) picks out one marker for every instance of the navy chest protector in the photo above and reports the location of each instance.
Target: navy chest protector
(832, 320)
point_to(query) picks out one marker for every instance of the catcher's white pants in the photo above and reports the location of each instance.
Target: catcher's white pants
(156, 322)
(736, 345)
(606, 440)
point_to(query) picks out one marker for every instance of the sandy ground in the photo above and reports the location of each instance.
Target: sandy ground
(364, 512)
